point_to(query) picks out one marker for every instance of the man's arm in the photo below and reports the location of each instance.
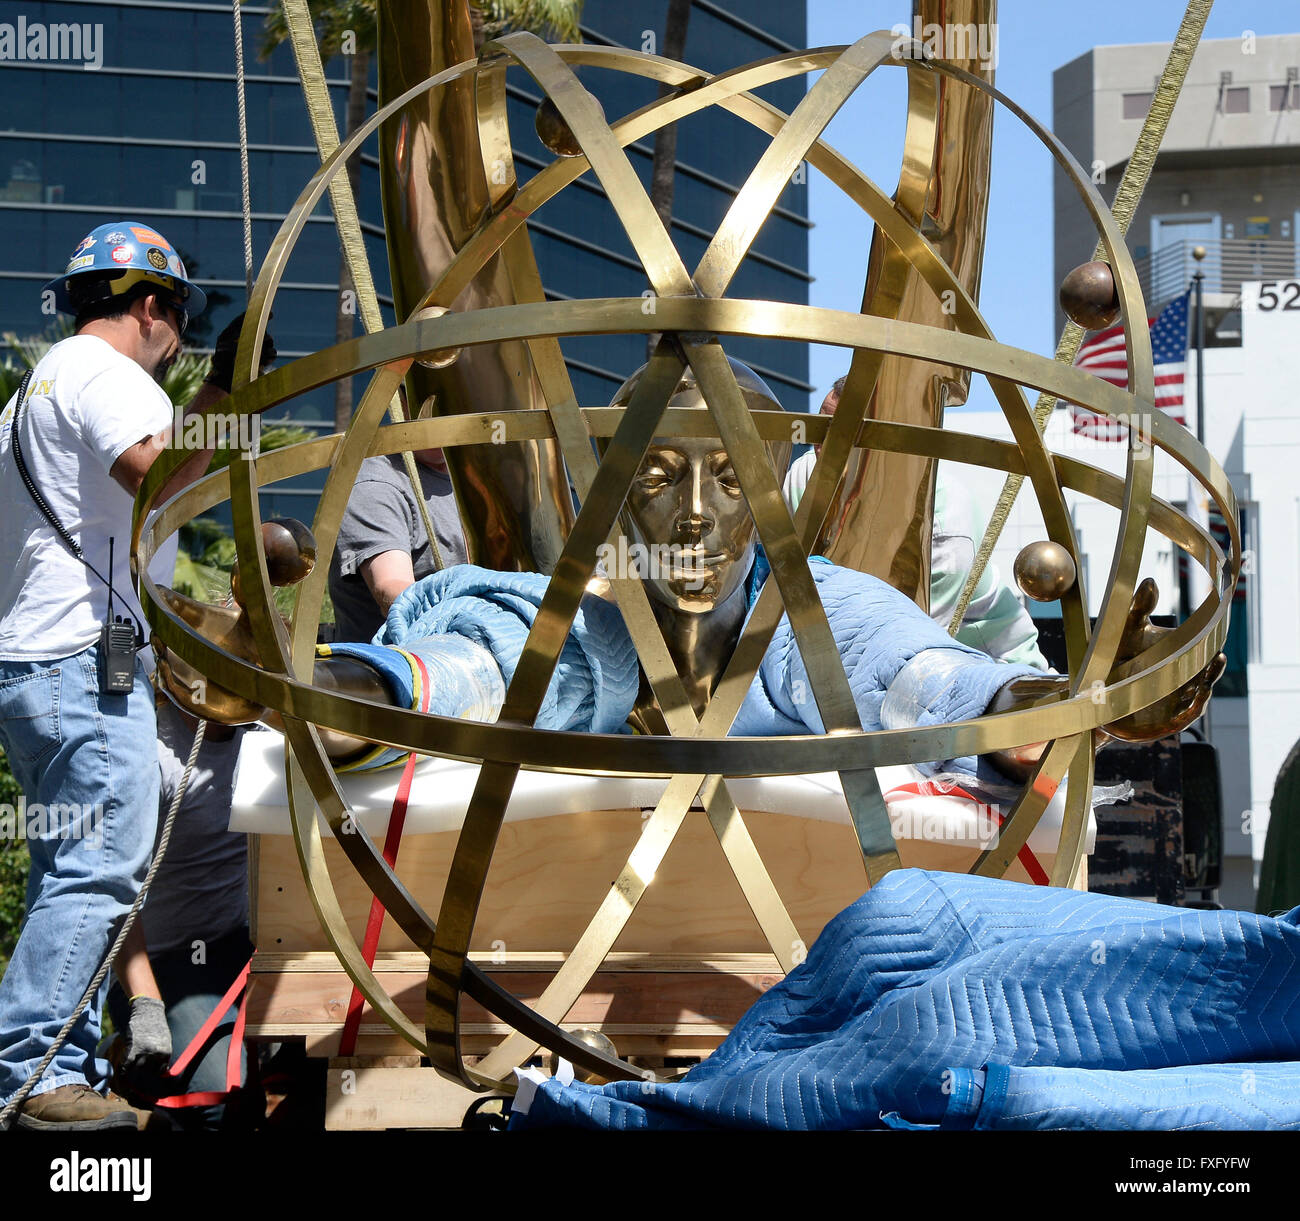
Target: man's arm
(133, 464)
(148, 1048)
(132, 966)
(387, 575)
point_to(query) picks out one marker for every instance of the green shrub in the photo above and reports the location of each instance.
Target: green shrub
(14, 863)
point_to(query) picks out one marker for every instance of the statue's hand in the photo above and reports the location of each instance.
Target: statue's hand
(1025, 692)
(1180, 708)
(290, 555)
(192, 692)
(1170, 715)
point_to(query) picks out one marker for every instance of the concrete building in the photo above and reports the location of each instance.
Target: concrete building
(1228, 172)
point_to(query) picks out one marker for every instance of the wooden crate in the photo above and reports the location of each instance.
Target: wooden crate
(689, 962)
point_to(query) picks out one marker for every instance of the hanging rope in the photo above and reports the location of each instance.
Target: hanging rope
(243, 151)
(1127, 197)
(302, 37)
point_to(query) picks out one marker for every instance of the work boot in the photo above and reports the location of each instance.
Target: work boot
(78, 1108)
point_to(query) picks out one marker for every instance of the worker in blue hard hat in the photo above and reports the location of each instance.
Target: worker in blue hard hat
(77, 715)
(117, 265)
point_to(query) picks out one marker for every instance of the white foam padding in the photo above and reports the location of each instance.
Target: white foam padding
(441, 790)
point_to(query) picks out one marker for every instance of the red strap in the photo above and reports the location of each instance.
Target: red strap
(392, 841)
(1031, 864)
(236, 1044)
(204, 1098)
(196, 1044)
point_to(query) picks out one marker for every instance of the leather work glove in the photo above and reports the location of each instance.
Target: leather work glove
(222, 373)
(148, 1045)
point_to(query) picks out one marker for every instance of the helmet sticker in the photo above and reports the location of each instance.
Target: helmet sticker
(150, 238)
(156, 258)
(76, 264)
(85, 244)
(116, 238)
(175, 266)
(123, 254)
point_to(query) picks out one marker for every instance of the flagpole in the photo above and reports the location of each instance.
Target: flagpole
(1198, 584)
(1198, 280)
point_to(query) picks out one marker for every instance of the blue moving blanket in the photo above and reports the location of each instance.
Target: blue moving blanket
(903, 669)
(944, 1000)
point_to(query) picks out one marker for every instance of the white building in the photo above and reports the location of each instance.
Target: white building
(1227, 179)
(1252, 425)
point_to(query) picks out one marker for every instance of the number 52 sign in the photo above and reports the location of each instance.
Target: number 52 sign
(1278, 295)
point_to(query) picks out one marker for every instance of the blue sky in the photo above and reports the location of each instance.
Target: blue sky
(1035, 38)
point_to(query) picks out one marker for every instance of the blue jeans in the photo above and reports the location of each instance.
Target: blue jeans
(95, 757)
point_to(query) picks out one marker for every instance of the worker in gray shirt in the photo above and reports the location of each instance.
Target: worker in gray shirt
(382, 544)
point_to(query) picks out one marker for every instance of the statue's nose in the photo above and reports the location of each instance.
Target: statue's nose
(696, 519)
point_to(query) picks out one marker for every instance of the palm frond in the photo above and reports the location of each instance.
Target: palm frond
(202, 582)
(332, 20)
(185, 377)
(556, 20)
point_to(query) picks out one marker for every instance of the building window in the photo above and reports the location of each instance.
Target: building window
(1136, 105)
(1236, 101)
(1278, 99)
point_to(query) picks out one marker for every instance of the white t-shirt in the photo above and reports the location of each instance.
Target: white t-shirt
(86, 405)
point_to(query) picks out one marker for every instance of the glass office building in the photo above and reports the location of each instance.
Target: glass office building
(129, 110)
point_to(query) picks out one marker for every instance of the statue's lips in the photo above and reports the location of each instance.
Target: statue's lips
(690, 563)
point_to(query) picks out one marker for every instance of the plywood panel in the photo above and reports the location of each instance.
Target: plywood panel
(549, 875)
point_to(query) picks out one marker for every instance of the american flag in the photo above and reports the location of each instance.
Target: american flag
(1104, 355)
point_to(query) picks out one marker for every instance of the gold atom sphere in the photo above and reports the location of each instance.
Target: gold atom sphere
(692, 308)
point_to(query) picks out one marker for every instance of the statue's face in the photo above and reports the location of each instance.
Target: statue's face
(689, 517)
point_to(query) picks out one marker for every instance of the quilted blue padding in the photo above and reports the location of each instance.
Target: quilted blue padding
(929, 974)
(877, 630)
(595, 682)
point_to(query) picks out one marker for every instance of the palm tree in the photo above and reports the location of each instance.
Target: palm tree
(665, 158)
(554, 19)
(349, 27)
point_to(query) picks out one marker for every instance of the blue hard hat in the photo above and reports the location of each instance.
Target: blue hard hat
(118, 256)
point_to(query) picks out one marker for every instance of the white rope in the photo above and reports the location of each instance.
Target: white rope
(19, 1098)
(243, 150)
(245, 194)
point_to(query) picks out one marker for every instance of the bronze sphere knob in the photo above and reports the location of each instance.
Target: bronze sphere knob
(290, 549)
(597, 1042)
(1044, 571)
(555, 132)
(1088, 296)
(437, 358)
